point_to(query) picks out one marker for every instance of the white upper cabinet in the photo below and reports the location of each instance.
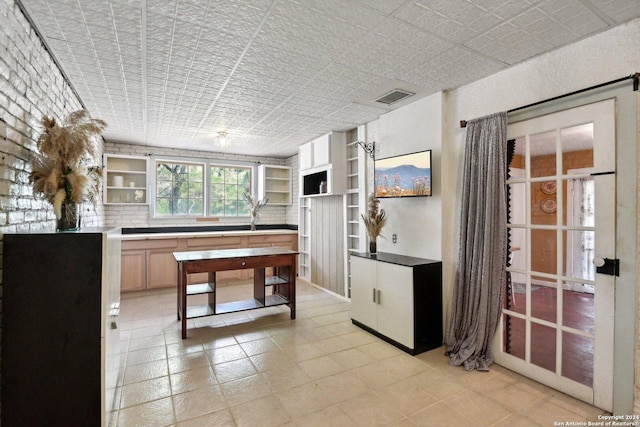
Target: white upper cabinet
(323, 165)
(125, 179)
(274, 183)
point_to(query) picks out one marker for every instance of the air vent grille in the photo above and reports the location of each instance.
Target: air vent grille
(394, 96)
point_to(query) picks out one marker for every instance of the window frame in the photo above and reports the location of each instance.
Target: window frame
(206, 164)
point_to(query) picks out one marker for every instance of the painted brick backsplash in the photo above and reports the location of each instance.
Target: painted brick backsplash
(138, 216)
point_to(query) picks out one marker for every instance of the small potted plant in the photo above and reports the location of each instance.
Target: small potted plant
(374, 222)
(64, 169)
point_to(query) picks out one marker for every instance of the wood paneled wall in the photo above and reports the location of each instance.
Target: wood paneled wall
(327, 243)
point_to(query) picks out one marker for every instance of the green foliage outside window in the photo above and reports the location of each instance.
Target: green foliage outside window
(227, 186)
(179, 189)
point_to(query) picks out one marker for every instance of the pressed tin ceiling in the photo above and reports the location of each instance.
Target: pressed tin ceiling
(274, 74)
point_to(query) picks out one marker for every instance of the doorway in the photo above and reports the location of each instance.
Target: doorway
(557, 324)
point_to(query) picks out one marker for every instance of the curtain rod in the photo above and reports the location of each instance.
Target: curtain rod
(636, 82)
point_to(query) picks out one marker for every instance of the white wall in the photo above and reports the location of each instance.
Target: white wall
(416, 220)
(598, 59)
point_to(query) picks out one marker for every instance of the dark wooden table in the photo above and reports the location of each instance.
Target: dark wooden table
(283, 281)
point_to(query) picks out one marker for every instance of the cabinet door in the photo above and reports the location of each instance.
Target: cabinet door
(322, 151)
(363, 284)
(305, 157)
(162, 269)
(133, 271)
(395, 302)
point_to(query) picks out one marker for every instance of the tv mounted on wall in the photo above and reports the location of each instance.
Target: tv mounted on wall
(408, 175)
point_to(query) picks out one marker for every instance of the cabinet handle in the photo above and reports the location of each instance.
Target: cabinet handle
(378, 296)
(374, 294)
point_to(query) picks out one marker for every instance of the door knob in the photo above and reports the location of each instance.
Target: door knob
(598, 262)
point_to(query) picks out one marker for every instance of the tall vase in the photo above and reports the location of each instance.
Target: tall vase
(253, 223)
(373, 246)
(69, 217)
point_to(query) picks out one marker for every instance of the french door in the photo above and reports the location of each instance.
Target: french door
(557, 320)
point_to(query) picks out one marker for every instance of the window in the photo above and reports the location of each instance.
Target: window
(201, 189)
(179, 188)
(227, 188)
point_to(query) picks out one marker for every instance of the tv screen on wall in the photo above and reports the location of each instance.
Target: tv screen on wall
(408, 175)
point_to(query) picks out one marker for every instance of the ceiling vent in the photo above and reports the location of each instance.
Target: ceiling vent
(394, 96)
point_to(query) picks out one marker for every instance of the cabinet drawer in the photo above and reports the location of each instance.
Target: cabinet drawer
(238, 263)
(149, 244)
(199, 243)
(271, 240)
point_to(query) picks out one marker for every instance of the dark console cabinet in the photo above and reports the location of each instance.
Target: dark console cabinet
(60, 341)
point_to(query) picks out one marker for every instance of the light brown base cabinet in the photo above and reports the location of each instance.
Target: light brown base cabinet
(148, 262)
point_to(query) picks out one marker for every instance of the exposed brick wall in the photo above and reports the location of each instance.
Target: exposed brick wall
(31, 85)
(138, 216)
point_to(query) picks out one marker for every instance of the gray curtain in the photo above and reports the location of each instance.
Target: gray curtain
(481, 272)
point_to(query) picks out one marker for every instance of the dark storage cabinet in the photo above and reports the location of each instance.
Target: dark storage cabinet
(60, 342)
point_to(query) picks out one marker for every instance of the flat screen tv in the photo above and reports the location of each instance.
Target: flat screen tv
(408, 175)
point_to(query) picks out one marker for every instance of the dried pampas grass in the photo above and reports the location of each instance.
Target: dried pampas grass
(376, 218)
(60, 170)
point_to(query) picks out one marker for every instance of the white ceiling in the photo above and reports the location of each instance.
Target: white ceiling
(277, 73)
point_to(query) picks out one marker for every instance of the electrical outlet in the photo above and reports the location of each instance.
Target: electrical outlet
(394, 238)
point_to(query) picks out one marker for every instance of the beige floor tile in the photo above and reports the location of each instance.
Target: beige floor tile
(261, 369)
(145, 371)
(343, 386)
(370, 410)
(262, 345)
(332, 416)
(352, 358)
(478, 409)
(221, 418)
(198, 402)
(304, 400)
(302, 352)
(380, 350)
(187, 362)
(234, 370)
(263, 412)
(272, 360)
(245, 390)
(192, 379)
(406, 396)
(226, 354)
(156, 413)
(438, 385)
(145, 391)
(439, 415)
(146, 342)
(320, 367)
(285, 378)
(146, 355)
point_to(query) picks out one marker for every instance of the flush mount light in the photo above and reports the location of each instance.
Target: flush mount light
(223, 138)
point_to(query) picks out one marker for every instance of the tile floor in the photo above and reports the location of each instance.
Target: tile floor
(259, 368)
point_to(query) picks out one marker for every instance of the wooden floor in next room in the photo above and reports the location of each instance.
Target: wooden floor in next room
(260, 368)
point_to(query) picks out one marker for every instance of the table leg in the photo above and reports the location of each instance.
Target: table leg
(182, 285)
(292, 287)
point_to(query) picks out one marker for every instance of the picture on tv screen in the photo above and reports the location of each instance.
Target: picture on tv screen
(408, 175)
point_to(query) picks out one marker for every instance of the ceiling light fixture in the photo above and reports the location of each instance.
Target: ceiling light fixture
(223, 138)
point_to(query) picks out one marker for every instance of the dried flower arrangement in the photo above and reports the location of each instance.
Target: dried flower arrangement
(255, 206)
(61, 170)
(374, 222)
